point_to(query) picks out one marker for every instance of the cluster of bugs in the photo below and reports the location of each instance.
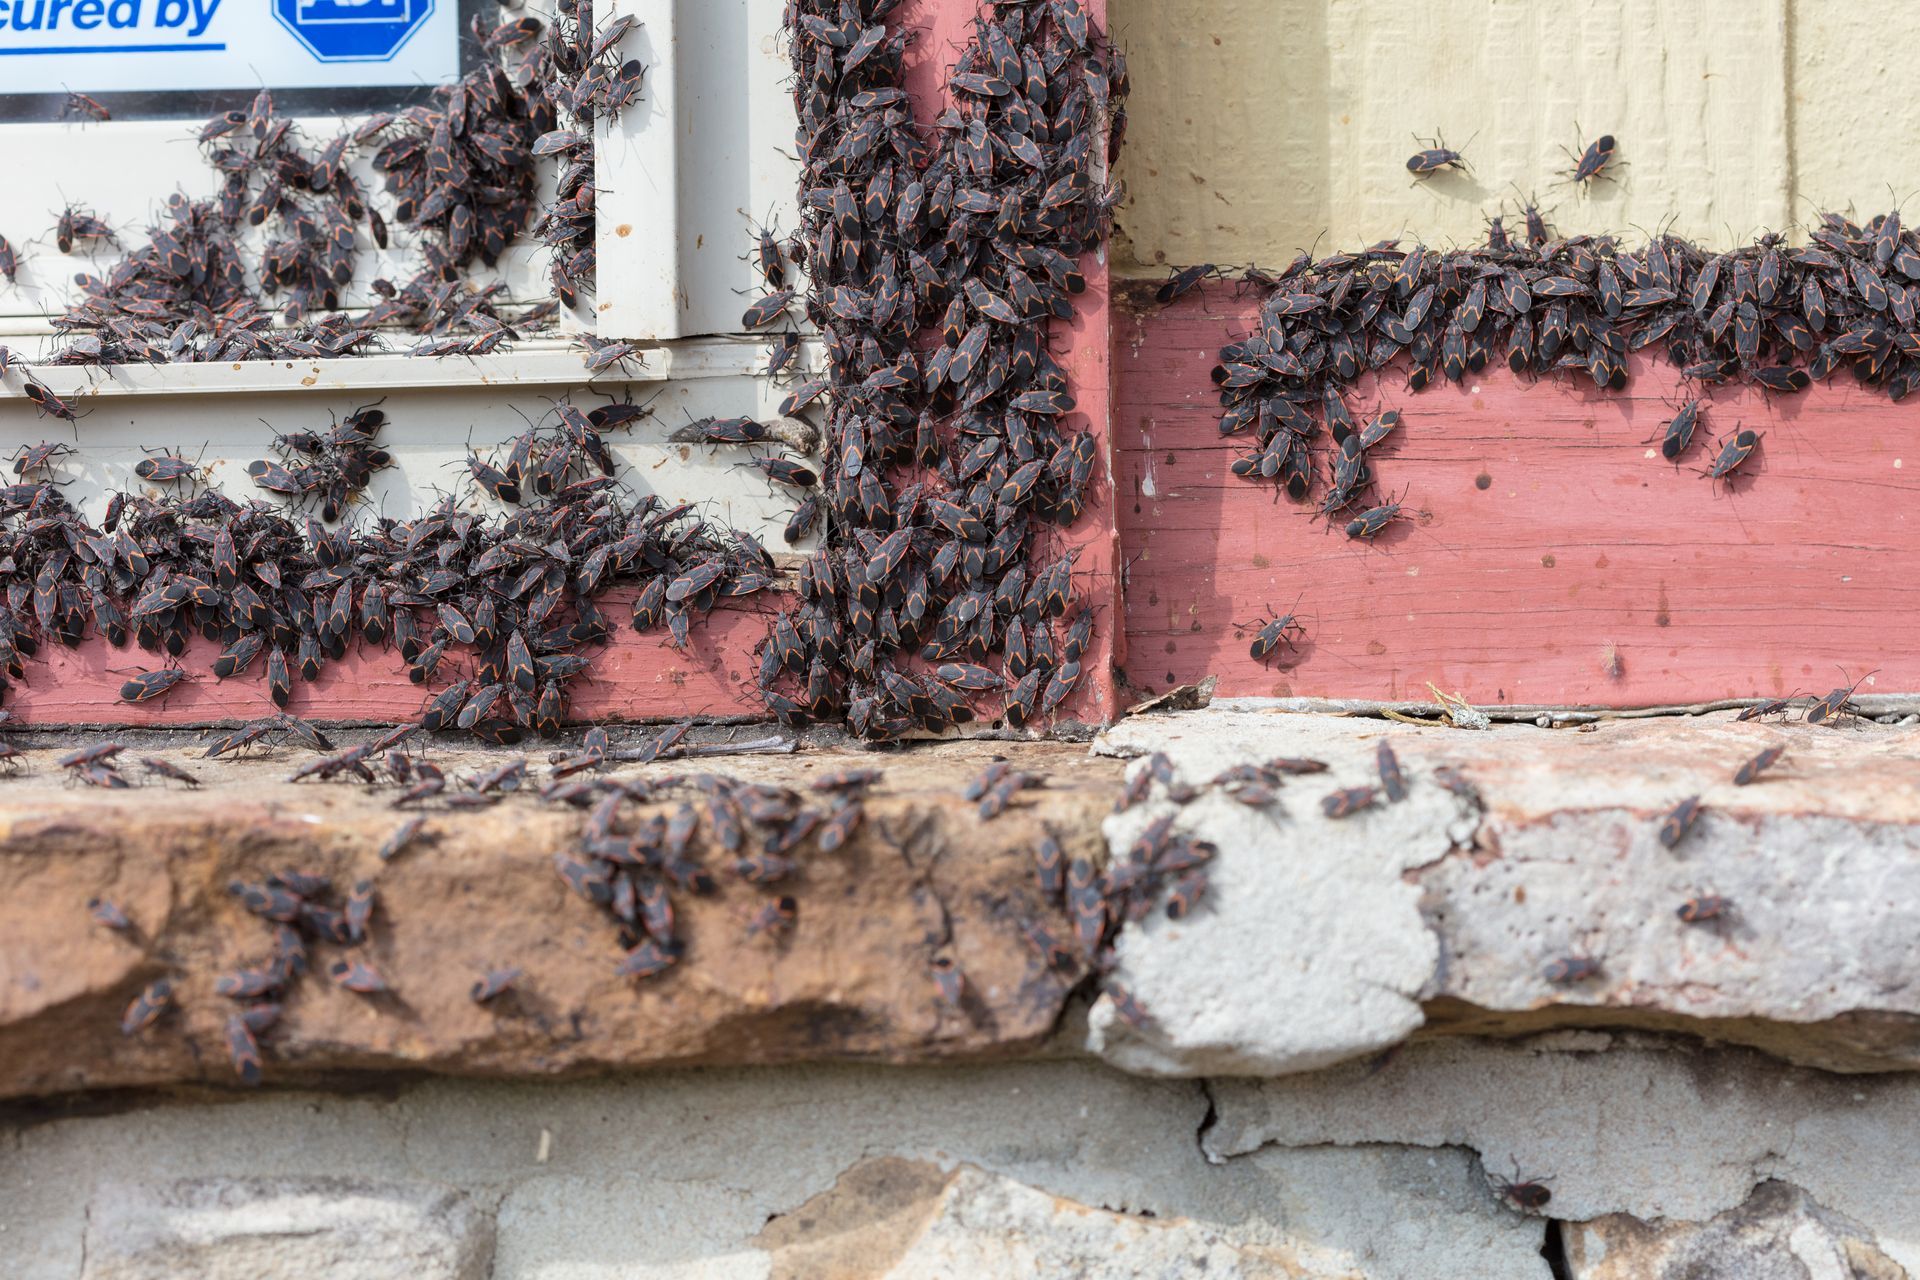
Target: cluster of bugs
(644, 842)
(631, 866)
(1776, 316)
(972, 233)
(1831, 708)
(1162, 867)
(588, 81)
(1392, 787)
(996, 788)
(331, 466)
(302, 909)
(541, 462)
(98, 766)
(462, 165)
(186, 295)
(495, 615)
(779, 262)
(261, 271)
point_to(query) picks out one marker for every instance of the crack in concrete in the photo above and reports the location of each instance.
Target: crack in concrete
(1207, 1122)
(1554, 1250)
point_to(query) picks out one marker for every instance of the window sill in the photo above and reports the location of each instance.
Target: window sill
(530, 364)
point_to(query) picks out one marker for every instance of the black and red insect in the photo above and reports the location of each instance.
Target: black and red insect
(1347, 802)
(1370, 523)
(1733, 454)
(1705, 908)
(949, 980)
(48, 402)
(1593, 161)
(1751, 770)
(167, 769)
(1679, 821)
(358, 976)
(1183, 281)
(1837, 704)
(775, 919)
(107, 915)
(163, 468)
(1186, 893)
(147, 1007)
(1270, 634)
(1570, 970)
(1127, 1006)
(1434, 157)
(1529, 1195)
(149, 685)
(243, 1050)
(1677, 437)
(1392, 780)
(1769, 707)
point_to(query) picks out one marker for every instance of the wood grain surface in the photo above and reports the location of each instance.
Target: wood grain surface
(635, 677)
(1552, 556)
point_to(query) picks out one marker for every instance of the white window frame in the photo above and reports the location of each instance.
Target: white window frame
(672, 171)
(708, 139)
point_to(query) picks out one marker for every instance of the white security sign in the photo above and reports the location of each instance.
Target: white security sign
(112, 46)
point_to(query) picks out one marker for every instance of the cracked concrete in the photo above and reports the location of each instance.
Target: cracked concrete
(677, 1174)
(1621, 1124)
(1322, 939)
(1660, 1156)
(1309, 948)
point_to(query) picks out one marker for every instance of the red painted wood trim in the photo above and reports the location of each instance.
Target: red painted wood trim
(1095, 538)
(1085, 352)
(635, 677)
(1548, 542)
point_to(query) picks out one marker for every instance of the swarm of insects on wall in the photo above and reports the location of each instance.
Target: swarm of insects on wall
(495, 613)
(944, 460)
(590, 81)
(263, 270)
(943, 466)
(1777, 317)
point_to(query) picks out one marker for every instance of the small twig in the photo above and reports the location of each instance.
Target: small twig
(775, 746)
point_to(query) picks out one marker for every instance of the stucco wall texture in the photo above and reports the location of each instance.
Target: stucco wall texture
(1259, 126)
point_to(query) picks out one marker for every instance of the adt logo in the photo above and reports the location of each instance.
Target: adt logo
(352, 30)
